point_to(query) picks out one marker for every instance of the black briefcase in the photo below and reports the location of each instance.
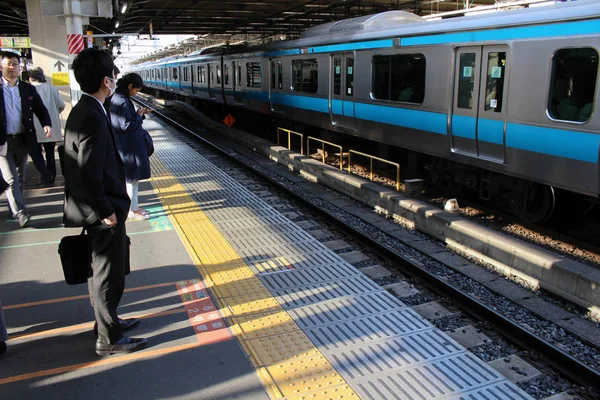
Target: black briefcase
(76, 258)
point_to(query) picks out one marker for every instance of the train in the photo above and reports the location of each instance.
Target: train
(505, 103)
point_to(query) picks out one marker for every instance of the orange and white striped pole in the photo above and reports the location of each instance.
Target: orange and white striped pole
(74, 25)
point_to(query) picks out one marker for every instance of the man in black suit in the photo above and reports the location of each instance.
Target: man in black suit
(96, 198)
(18, 103)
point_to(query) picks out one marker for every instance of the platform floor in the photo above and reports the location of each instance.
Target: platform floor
(237, 302)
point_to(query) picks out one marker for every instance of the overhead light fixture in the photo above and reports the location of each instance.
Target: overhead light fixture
(117, 24)
(124, 8)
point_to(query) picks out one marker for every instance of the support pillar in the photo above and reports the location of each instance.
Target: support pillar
(74, 29)
(49, 48)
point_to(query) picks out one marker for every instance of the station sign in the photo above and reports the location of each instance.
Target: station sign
(15, 42)
(60, 79)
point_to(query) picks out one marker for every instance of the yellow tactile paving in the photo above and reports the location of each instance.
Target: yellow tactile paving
(304, 375)
(264, 325)
(287, 346)
(342, 392)
(250, 304)
(286, 360)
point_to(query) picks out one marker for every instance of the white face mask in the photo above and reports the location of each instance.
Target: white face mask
(113, 88)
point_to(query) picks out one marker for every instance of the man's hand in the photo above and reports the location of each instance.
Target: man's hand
(48, 131)
(111, 220)
(140, 111)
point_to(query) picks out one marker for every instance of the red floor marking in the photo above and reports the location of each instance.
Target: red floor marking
(203, 314)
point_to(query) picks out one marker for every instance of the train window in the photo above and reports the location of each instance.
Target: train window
(494, 85)
(466, 80)
(573, 84)
(226, 74)
(211, 74)
(185, 74)
(175, 73)
(337, 76)
(239, 75)
(305, 75)
(273, 83)
(201, 74)
(280, 76)
(399, 77)
(349, 76)
(218, 74)
(253, 74)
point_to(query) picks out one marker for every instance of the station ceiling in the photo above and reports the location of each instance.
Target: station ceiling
(232, 17)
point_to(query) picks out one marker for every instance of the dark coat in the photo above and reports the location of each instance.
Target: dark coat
(31, 102)
(94, 175)
(127, 125)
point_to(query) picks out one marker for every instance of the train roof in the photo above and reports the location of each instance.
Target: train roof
(400, 24)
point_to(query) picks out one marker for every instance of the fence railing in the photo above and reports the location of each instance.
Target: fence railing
(323, 143)
(289, 135)
(371, 158)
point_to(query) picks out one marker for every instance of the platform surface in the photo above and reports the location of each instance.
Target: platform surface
(237, 302)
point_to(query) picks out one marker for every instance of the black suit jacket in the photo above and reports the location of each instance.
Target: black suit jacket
(31, 102)
(94, 175)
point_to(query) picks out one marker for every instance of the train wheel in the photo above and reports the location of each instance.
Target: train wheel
(533, 202)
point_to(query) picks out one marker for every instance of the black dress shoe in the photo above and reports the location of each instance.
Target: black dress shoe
(126, 325)
(125, 345)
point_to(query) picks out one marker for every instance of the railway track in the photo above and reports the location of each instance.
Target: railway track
(425, 272)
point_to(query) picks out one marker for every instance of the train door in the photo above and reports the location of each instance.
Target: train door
(478, 112)
(341, 100)
(211, 81)
(276, 85)
(237, 82)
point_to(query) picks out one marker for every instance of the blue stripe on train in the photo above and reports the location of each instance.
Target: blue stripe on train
(575, 145)
(564, 29)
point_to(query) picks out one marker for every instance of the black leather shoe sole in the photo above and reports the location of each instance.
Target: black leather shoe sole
(134, 344)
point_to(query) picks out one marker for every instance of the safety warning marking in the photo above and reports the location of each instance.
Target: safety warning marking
(203, 314)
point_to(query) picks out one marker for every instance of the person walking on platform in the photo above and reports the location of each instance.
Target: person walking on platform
(3, 332)
(131, 139)
(18, 103)
(55, 106)
(96, 198)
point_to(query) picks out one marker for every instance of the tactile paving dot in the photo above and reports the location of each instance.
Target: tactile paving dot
(285, 347)
(234, 274)
(249, 304)
(266, 324)
(248, 289)
(304, 375)
(334, 393)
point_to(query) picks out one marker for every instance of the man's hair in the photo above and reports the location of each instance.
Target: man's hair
(37, 75)
(9, 54)
(90, 67)
(133, 79)
(117, 71)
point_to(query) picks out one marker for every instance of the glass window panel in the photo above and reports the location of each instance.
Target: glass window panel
(494, 85)
(349, 76)
(466, 80)
(337, 75)
(573, 84)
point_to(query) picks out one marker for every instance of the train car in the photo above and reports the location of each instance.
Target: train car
(504, 103)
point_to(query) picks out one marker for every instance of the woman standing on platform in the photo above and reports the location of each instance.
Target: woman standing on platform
(132, 139)
(55, 106)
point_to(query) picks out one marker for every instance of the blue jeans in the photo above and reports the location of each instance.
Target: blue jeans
(13, 167)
